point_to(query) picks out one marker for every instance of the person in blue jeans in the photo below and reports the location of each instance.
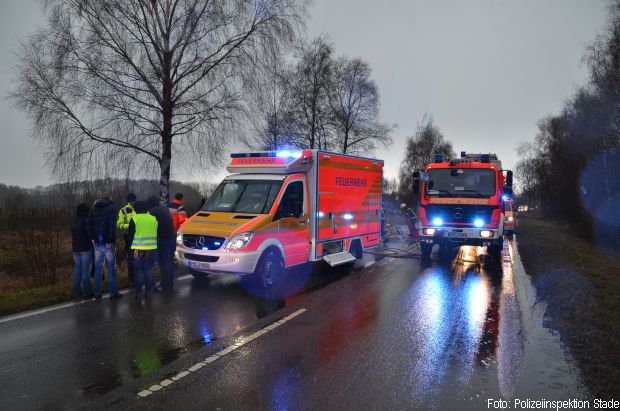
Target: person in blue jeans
(143, 234)
(82, 252)
(166, 243)
(101, 226)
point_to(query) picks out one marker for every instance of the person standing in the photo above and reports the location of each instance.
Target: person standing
(143, 235)
(122, 223)
(177, 211)
(82, 252)
(102, 233)
(166, 243)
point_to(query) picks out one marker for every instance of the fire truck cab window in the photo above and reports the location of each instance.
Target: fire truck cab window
(292, 202)
(462, 182)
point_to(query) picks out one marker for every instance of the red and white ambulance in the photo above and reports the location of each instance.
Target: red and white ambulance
(280, 209)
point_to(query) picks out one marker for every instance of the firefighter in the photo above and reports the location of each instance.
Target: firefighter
(142, 233)
(177, 211)
(122, 223)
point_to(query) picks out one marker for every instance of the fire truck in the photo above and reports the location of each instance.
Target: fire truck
(462, 202)
(284, 208)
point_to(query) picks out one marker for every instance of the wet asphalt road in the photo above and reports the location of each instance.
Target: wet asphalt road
(398, 334)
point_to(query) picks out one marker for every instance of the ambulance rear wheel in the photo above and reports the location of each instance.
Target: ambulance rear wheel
(269, 269)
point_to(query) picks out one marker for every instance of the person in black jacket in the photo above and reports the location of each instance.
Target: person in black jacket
(101, 225)
(82, 252)
(166, 243)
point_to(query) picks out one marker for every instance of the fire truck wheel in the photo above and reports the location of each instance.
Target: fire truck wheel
(426, 250)
(269, 268)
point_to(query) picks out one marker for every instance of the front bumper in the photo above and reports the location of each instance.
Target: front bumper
(460, 236)
(226, 262)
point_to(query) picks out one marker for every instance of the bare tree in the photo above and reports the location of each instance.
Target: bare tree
(427, 141)
(354, 102)
(268, 109)
(309, 85)
(127, 83)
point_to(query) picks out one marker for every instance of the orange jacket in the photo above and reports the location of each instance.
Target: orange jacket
(178, 213)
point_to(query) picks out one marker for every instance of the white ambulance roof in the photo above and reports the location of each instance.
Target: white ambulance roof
(256, 177)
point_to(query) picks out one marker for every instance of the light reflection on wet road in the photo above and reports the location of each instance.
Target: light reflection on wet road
(397, 335)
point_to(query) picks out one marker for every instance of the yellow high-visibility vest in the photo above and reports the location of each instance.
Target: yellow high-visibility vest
(145, 237)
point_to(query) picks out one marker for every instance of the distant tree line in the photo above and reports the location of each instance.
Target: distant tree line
(572, 170)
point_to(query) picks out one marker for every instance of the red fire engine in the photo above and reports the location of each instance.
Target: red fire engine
(462, 202)
(280, 209)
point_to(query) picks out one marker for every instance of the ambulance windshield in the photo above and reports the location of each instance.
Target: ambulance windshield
(244, 196)
(460, 182)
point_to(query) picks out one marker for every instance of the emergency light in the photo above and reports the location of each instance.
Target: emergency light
(439, 158)
(437, 221)
(478, 222)
(286, 153)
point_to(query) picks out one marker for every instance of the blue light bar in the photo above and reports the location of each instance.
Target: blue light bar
(437, 221)
(505, 198)
(485, 158)
(286, 153)
(478, 222)
(439, 158)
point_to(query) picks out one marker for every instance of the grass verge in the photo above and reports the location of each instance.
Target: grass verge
(14, 302)
(580, 284)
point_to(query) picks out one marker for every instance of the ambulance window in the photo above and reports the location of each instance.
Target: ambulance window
(292, 202)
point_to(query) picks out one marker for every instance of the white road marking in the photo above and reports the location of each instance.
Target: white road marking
(61, 306)
(214, 357)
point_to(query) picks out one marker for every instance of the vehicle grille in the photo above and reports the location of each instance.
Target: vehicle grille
(459, 214)
(202, 242)
(204, 258)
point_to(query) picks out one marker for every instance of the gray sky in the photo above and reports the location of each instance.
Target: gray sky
(486, 70)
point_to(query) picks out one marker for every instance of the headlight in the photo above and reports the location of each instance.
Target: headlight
(486, 234)
(510, 218)
(180, 238)
(239, 241)
(429, 231)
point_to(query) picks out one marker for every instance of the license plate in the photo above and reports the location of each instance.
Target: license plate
(199, 265)
(457, 235)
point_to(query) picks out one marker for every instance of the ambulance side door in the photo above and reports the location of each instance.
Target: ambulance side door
(293, 222)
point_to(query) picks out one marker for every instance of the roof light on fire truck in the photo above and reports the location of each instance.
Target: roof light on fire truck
(478, 222)
(437, 221)
(286, 153)
(348, 216)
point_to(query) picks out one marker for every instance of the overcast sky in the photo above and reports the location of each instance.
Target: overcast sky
(486, 70)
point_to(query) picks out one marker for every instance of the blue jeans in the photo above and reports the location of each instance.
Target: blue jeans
(143, 272)
(165, 256)
(109, 254)
(81, 273)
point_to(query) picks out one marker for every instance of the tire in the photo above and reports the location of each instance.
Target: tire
(495, 251)
(426, 249)
(199, 275)
(269, 268)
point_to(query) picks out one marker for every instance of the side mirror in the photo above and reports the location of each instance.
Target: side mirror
(416, 183)
(508, 190)
(509, 179)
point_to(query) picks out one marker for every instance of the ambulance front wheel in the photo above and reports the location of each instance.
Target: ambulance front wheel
(199, 275)
(269, 268)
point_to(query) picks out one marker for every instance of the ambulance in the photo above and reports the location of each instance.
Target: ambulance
(284, 208)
